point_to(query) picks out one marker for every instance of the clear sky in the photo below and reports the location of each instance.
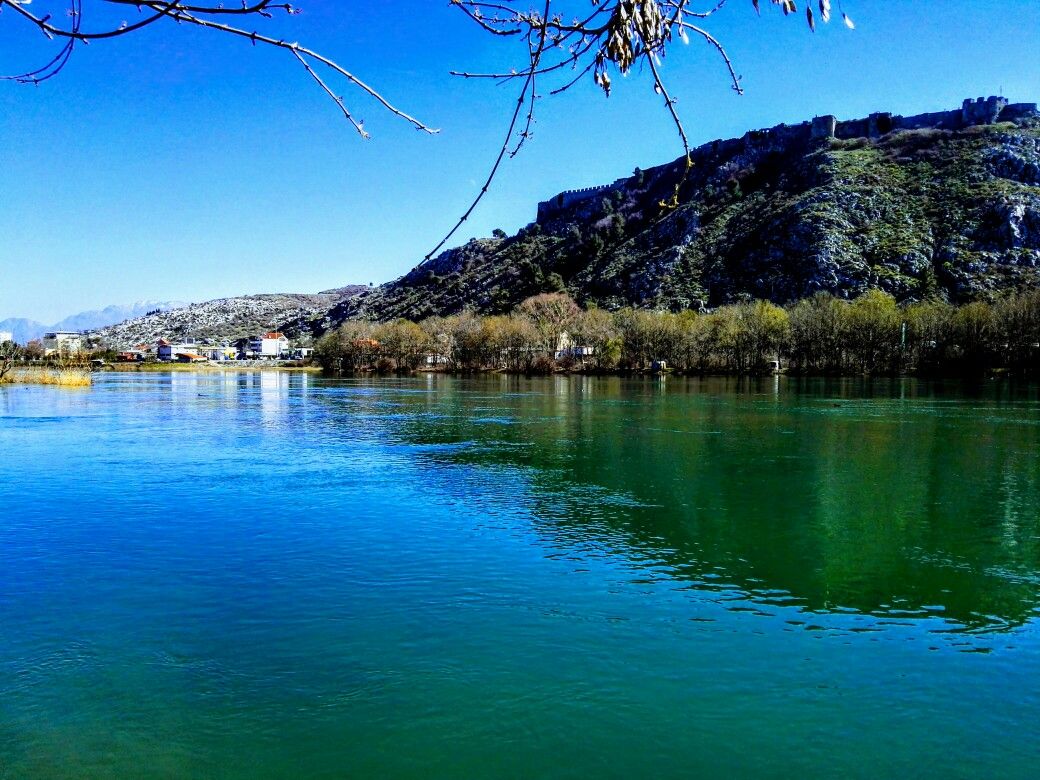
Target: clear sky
(177, 164)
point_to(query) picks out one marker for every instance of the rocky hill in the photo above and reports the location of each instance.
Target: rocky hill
(943, 204)
(229, 318)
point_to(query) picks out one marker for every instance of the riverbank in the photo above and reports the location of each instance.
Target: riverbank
(244, 366)
(716, 373)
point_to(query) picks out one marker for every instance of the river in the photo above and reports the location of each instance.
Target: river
(277, 575)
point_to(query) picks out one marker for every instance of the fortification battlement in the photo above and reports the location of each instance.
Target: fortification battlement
(978, 111)
(568, 198)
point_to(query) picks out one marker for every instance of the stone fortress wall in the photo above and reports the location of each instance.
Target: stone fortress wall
(979, 111)
(568, 198)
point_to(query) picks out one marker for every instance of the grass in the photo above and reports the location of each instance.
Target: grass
(48, 376)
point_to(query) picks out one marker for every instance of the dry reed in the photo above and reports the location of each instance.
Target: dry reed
(48, 376)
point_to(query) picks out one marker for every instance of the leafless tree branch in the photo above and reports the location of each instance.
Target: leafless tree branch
(566, 39)
(614, 35)
(203, 16)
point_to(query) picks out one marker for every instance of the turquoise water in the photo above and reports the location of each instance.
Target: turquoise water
(273, 575)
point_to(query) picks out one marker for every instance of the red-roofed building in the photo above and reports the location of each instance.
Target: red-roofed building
(166, 351)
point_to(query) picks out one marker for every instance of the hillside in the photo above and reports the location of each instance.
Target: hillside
(941, 204)
(228, 318)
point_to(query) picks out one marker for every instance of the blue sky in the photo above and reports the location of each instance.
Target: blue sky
(179, 164)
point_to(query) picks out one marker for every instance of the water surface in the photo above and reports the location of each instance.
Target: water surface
(274, 575)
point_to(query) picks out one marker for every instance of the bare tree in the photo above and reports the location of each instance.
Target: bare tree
(568, 40)
(562, 41)
(217, 18)
(552, 314)
(8, 355)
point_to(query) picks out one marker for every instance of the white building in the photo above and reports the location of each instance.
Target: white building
(270, 346)
(220, 354)
(62, 342)
(168, 351)
(567, 348)
(5, 336)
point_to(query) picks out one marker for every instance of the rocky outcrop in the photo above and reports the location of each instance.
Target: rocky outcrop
(1015, 157)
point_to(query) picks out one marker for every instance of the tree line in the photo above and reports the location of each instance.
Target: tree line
(871, 334)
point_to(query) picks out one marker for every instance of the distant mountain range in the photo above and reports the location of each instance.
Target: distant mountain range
(25, 330)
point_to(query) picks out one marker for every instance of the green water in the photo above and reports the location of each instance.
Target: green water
(274, 575)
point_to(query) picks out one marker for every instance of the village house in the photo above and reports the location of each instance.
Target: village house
(270, 346)
(62, 342)
(164, 350)
(167, 351)
(190, 357)
(567, 348)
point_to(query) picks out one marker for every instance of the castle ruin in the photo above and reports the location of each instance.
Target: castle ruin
(568, 198)
(980, 111)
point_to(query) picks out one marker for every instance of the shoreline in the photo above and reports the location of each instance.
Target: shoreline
(24, 375)
(146, 368)
(633, 374)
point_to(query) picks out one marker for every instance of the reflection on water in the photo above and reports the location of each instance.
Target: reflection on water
(895, 498)
(261, 574)
(828, 500)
